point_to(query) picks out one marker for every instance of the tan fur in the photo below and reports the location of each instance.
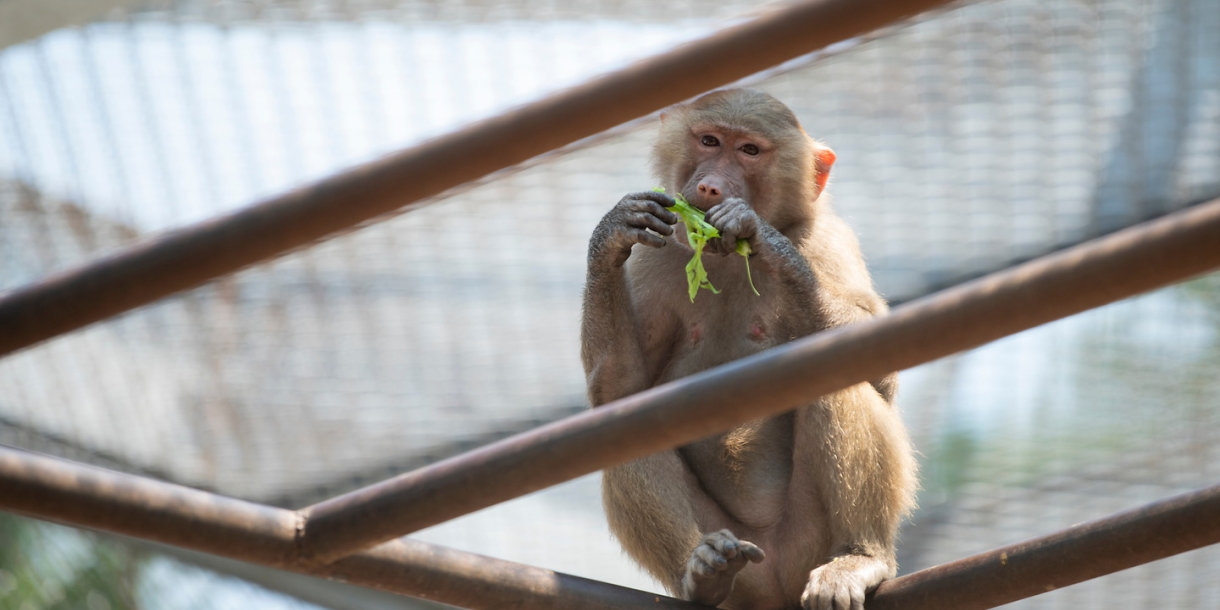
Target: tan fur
(832, 479)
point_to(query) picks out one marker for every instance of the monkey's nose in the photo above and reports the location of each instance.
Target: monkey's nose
(710, 193)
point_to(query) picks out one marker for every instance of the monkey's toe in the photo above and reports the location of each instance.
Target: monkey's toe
(843, 583)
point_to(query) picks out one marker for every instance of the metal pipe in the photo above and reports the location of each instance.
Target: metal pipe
(1123, 264)
(187, 257)
(1079, 553)
(84, 496)
(145, 508)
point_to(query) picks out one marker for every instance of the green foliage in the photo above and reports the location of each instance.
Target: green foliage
(743, 248)
(947, 466)
(47, 567)
(1205, 289)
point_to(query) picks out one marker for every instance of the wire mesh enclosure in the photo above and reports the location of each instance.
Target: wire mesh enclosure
(969, 139)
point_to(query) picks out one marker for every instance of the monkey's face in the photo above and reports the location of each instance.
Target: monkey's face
(724, 163)
(745, 144)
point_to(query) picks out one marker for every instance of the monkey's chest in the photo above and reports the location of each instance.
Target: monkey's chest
(708, 337)
(686, 337)
(747, 470)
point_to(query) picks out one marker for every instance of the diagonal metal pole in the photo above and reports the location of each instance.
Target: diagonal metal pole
(1082, 552)
(188, 257)
(84, 496)
(1137, 259)
(75, 494)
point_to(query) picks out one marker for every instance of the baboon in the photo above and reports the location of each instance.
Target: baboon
(796, 510)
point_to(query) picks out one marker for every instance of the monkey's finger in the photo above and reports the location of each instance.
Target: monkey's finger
(752, 551)
(697, 570)
(641, 206)
(644, 220)
(661, 198)
(659, 211)
(640, 236)
(857, 600)
(842, 597)
(724, 546)
(711, 556)
(729, 225)
(824, 599)
(724, 209)
(733, 228)
(701, 568)
(720, 212)
(724, 245)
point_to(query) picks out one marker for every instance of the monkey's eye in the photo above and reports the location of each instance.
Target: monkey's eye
(749, 149)
(710, 141)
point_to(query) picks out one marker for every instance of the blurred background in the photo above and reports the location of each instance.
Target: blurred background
(968, 140)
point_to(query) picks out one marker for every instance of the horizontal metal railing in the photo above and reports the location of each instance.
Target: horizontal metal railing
(84, 496)
(193, 255)
(1076, 554)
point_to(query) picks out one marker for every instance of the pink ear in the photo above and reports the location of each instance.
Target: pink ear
(825, 159)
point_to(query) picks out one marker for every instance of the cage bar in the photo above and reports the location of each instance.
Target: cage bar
(1079, 553)
(85, 496)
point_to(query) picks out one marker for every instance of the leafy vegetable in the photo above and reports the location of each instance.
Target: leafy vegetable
(698, 231)
(743, 248)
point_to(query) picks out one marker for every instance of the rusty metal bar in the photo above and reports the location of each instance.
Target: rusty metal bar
(1079, 553)
(1123, 264)
(84, 496)
(188, 257)
(145, 508)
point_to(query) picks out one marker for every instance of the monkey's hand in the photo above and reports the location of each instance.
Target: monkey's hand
(843, 583)
(639, 218)
(713, 565)
(735, 220)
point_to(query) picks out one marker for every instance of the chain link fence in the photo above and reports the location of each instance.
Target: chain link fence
(968, 140)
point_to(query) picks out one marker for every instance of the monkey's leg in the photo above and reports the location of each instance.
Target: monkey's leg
(658, 511)
(853, 453)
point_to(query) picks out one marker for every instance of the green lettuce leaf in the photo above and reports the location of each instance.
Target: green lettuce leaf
(698, 231)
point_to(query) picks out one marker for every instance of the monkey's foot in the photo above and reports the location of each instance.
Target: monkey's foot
(713, 565)
(843, 583)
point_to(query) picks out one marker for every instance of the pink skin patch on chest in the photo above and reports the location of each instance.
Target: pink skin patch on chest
(695, 333)
(757, 331)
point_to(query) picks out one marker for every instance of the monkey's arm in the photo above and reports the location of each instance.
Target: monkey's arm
(611, 348)
(612, 340)
(847, 293)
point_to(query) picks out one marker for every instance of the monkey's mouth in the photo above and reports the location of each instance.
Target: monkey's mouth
(698, 202)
